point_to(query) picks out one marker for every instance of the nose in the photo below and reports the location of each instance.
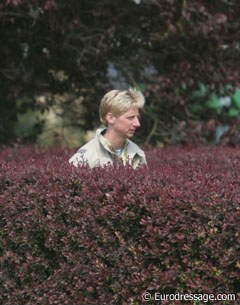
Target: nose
(136, 122)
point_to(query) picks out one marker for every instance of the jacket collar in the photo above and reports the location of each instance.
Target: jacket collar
(132, 149)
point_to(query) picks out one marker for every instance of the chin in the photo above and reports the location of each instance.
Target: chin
(130, 135)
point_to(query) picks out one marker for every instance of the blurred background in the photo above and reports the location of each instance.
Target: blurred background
(58, 58)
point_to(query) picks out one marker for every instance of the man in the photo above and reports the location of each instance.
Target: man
(119, 112)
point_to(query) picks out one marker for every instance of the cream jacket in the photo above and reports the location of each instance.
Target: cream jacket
(97, 153)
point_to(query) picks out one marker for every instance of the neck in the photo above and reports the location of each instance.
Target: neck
(114, 140)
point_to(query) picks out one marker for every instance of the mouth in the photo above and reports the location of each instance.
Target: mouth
(132, 130)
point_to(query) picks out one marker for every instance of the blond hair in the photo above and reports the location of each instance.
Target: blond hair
(119, 102)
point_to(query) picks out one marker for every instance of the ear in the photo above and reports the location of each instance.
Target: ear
(110, 118)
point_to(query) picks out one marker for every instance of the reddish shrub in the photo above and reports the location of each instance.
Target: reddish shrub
(106, 235)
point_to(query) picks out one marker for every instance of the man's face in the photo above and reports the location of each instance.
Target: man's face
(125, 125)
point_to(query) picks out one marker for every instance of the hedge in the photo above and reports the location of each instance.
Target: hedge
(81, 236)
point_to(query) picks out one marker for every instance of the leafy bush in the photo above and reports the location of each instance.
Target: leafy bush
(58, 58)
(104, 236)
(217, 116)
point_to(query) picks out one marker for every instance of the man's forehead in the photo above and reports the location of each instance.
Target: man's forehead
(132, 111)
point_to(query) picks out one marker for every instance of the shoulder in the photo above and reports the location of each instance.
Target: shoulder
(135, 149)
(136, 154)
(84, 154)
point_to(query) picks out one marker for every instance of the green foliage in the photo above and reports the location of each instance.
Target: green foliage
(214, 103)
(233, 112)
(201, 92)
(221, 109)
(59, 47)
(221, 105)
(25, 126)
(236, 98)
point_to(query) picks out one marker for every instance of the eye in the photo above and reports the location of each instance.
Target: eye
(132, 117)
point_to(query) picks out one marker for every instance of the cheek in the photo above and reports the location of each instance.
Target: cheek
(128, 123)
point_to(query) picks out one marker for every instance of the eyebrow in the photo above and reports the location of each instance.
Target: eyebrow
(133, 115)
